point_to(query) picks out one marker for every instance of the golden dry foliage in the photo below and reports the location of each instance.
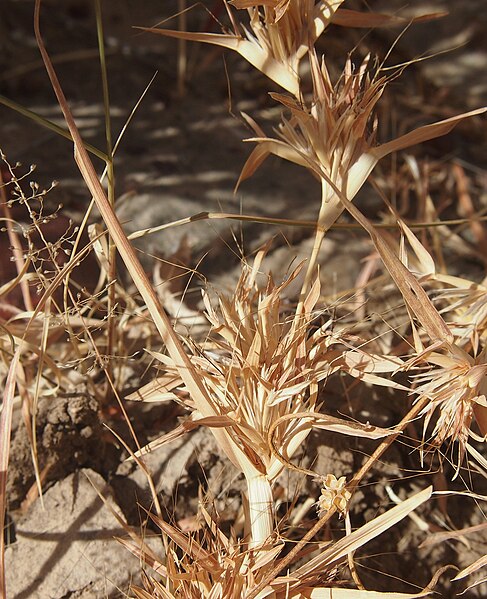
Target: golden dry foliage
(456, 392)
(277, 37)
(221, 567)
(255, 380)
(263, 375)
(261, 370)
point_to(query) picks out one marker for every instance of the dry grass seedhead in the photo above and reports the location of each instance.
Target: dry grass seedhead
(268, 368)
(257, 367)
(263, 374)
(262, 370)
(285, 31)
(465, 303)
(42, 254)
(334, 493)
(456, 390)
(279, 33)
(332, 135)
(277, 37)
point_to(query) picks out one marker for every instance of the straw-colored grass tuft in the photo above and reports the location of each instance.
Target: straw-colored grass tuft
(256, 379)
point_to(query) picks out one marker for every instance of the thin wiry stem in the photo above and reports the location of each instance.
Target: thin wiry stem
(20, 261)
(112, 248)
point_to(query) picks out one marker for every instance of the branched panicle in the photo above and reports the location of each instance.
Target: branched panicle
(42, 253)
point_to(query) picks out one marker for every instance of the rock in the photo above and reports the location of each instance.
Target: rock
(177, 469)
(69, 437)
(67, 548)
